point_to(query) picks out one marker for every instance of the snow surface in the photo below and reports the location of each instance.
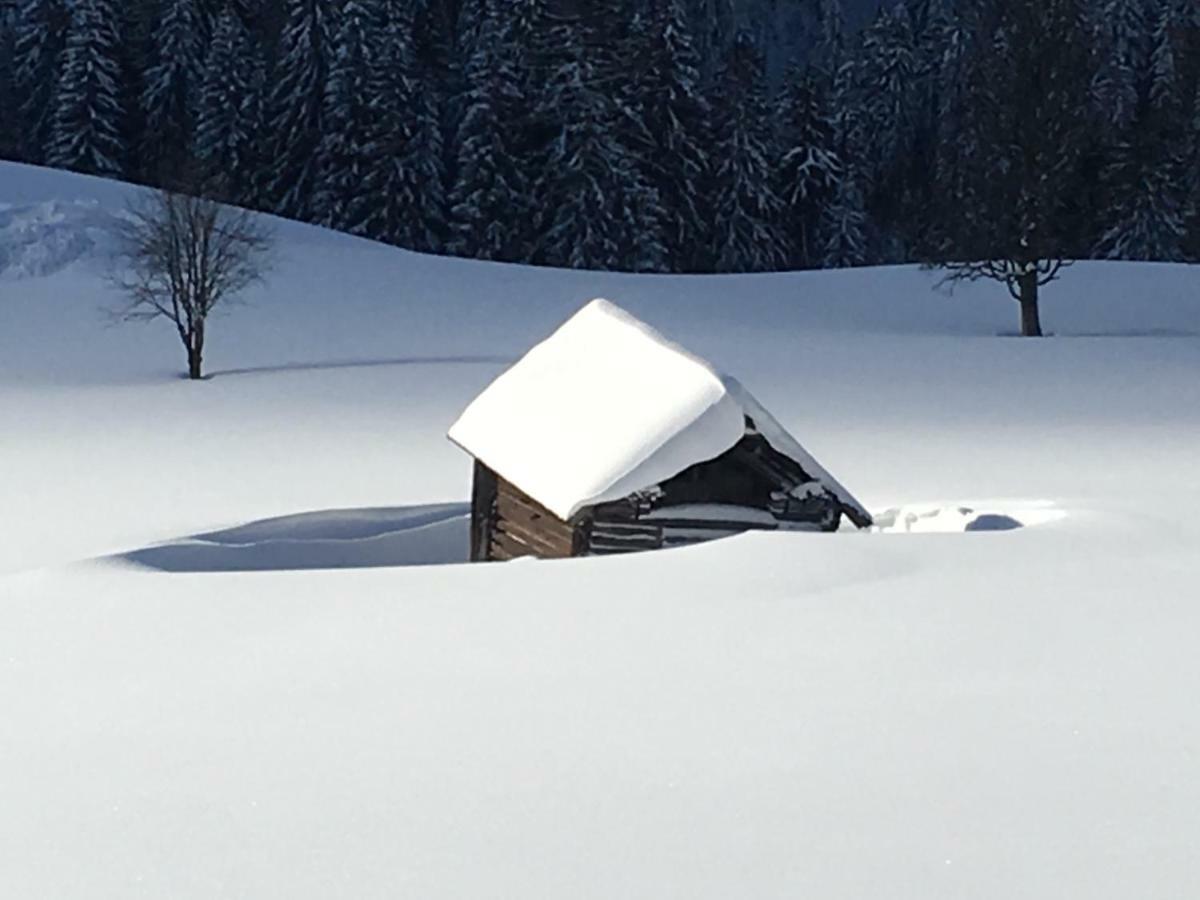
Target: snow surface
(978, 714)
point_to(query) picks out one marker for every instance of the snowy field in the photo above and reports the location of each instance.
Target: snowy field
(237, 658)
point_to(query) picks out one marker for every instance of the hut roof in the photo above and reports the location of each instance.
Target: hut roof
(607, 406)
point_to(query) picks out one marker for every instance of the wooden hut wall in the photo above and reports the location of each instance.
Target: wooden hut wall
(520, 526)
(614, 528)
(483, 511)
(748, 488)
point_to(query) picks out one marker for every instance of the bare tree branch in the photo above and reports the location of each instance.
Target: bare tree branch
(180, 256)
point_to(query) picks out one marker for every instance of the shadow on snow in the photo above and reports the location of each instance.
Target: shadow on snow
(364, 364)
(433, 535)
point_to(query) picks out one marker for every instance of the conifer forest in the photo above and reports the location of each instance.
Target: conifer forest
(639, 135)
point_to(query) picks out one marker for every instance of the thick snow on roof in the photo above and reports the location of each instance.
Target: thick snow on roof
(607, 406)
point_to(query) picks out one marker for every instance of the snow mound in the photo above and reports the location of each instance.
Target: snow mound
(437, 534)
(43, 238)
(952, 519)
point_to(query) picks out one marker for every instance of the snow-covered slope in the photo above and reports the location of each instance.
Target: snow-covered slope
(234, 662)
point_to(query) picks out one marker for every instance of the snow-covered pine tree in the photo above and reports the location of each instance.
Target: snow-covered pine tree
(488, 203)
(887, 70)
(538, 33)
(597, 211)
(10, 119)
(1165, 90)
(171, 89)
(943, 45)
(888, 99)
(925, 14)
(402, 195)
(1146, 174)
(229, 122)
(295, 107)
(347, 118)
(943, 49)
(668, 118)
(808, 171)
(1187, 21)
(1124, 31)
(39, 30)
(715, 22)
(433, 38)
(831, 35)
(85, 133)
(747, 209)
(420, 160)
(844, 227)
(1150, 223)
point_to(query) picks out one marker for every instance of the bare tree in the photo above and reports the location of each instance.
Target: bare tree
(1013, 175)
(1023, 275)
(180, 256)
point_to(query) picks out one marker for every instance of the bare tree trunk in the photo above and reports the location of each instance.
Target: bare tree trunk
(1031, 320)
(196, 354)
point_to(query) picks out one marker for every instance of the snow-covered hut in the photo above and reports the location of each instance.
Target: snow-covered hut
(608, 438)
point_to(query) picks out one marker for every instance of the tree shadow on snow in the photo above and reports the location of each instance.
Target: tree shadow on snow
(433, 535)
(1157, 333)
(365, 364)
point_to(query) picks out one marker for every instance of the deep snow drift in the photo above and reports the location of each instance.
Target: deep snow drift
(233, 662)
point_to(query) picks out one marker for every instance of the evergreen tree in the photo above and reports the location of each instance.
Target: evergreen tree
(229, 121)
(809, 171)
(843, 227)
(1124, 36)
(1150, 222)
(668, 127)
(39, 30)
(832, 24)
(169, 98)
(1146, 173)
(926, 16)
(715, 23)
(598, 211)
(10, 144)
(402, 194)
(1119, 65)
(85, 134)
(346, 119)
(296, 106)
(488, 203)
(944, 45)
(536, 37)
(747, 212)
(886, 128)
(1164, 92)
(887, 70)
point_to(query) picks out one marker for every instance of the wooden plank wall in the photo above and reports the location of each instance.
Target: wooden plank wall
(506, 523)
(523, 527)
(615, 530)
